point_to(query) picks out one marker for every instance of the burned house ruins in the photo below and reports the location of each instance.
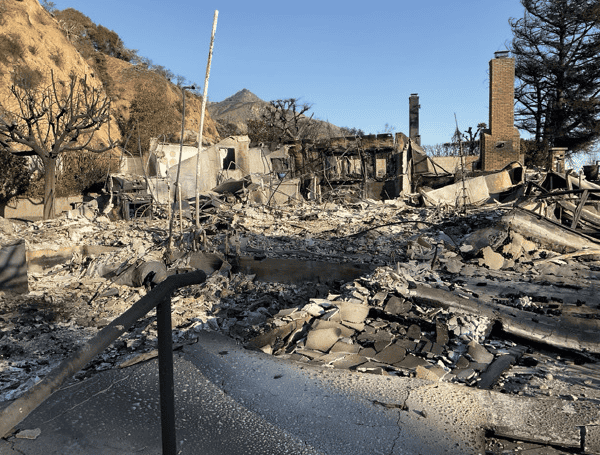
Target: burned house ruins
(472, 278)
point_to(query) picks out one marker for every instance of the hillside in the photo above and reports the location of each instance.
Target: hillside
(32, 39)
(243, 106)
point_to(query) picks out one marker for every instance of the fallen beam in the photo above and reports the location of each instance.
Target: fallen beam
(546, 421)
(552, 235)
(585, 215)
(563, 332)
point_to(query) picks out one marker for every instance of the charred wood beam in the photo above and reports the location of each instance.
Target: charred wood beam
(551, 234)
(561, 332)
(566, 192)
(577, 214)
(585, 215)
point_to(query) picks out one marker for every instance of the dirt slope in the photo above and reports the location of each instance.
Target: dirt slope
(30, 37)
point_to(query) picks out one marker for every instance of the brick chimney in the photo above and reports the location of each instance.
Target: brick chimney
(413, 118)
(500, 144)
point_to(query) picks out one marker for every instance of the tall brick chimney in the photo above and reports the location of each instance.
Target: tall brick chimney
(500, 144)
(413, 118)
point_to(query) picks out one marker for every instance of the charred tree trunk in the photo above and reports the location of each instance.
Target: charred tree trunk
(49, 188)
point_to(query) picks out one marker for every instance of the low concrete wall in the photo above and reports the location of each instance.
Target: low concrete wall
(452, 163)
(34, 208)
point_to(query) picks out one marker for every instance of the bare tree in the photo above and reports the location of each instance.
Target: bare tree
(49, 122)
(287, 119)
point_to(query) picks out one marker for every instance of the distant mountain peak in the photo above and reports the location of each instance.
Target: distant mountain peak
(243, 96)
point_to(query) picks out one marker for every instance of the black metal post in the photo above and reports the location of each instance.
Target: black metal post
(165, 376)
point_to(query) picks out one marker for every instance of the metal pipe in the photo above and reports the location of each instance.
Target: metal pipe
(165, 377)
(19, 409)
(170, 241)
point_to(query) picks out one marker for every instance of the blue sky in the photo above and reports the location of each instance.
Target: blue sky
(356, 62)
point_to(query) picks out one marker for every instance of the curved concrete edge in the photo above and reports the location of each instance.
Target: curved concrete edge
(343, 412)
(230, 400)
(452, 412)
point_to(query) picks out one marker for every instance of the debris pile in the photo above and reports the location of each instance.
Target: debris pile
(501, 296)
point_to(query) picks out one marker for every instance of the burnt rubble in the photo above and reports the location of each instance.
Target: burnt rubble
(500, 296)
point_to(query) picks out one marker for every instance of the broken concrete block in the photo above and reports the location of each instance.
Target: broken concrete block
(433, 348)
(529, 246)
(332, 357)
(462, 363)
(407, 344)
(28, 434)
(515, 248)
(488, 237)
(324, 303)
(414, 332)
(381, 335)
(430, 373)
(491, 259)
(381, 345)
(380, 297)
(311, 354)
(346, 332)
(392, 354)
(322, 339)
(411, 362)
(465, 374)
(397, 305)
(313, 309)
(479, 353)
(285, 312)
(454, 265)
(441, 330)
(357, 327)
(342, 346)
(350, 361)
(353, 312)
(368, 352)
(270, 338)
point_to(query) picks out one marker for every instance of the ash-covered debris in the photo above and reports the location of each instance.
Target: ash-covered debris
(472, 297)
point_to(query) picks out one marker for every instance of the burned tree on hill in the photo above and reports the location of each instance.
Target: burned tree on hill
(49, 122)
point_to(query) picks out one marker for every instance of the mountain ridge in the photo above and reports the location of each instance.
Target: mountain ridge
(234, 112)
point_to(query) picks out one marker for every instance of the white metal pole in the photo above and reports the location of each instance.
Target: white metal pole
(205, 91)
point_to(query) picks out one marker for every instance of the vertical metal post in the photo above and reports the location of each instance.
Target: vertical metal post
(170, 244)
(165, 377)
(202, 110)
